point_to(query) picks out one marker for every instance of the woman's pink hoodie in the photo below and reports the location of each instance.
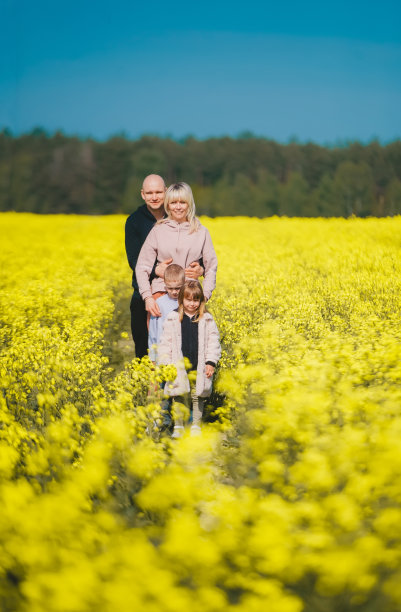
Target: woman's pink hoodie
(171, 239)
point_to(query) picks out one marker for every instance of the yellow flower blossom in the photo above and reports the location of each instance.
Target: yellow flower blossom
(288, 501)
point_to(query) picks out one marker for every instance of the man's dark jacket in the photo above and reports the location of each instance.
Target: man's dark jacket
(137, 228)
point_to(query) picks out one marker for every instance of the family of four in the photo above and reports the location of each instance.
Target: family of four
(168, 250)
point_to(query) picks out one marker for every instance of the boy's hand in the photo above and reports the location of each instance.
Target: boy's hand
(194, 270)
(209, 370)
(161, 267)
(152, 307)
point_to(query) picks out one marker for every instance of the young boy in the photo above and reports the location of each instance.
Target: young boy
(174, 278)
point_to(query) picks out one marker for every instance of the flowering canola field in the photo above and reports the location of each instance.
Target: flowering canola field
(291, 498)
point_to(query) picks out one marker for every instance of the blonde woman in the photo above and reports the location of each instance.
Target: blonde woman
(179, 237)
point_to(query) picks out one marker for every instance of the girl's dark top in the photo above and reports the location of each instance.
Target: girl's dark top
(189, 341)
(189, 344)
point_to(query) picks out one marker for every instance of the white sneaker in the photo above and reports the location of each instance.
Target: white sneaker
(178, 431)
(195, 430)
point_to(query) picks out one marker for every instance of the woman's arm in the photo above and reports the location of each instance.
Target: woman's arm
(132, 242)
(145, 264)
(210, 262)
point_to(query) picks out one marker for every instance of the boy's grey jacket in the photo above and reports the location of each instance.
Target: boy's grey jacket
(170, 353)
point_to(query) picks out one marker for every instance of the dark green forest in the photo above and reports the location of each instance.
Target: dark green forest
(247, 175)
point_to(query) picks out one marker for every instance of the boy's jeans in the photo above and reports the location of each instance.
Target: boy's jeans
(167, 419)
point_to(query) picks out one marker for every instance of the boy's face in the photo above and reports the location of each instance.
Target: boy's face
(173, 289)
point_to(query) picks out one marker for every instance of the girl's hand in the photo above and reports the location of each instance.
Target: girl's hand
(209, 371)
(152, 307)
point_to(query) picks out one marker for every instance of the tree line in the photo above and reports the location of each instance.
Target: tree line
(248, 175)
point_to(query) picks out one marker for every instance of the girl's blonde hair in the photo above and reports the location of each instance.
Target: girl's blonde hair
(192, 289)
(182, 191)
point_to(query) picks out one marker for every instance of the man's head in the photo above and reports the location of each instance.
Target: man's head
(153, 191)
(174, 278)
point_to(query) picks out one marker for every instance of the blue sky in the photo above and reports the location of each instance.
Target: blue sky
(325, 72)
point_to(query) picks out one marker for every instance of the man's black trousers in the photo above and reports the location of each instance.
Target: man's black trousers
(139, 326)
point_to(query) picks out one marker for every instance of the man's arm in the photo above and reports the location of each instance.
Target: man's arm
(133, 243)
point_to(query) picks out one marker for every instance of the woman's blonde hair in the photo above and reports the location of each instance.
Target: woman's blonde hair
(182, 191)
(192, 289)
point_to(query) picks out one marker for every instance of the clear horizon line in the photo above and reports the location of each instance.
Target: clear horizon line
(241, 135)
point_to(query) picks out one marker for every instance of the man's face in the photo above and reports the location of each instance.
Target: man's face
(153, 192)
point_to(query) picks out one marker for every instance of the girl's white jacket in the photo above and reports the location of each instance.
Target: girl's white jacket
(170, 352)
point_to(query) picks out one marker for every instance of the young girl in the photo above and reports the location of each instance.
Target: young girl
(190, 332)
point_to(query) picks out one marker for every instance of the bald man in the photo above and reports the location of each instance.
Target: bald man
(137, 227)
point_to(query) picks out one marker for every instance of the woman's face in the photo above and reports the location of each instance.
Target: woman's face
(178, 210)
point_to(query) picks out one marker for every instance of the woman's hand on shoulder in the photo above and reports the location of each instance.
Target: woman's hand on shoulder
(161, 267)
(194, 270)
